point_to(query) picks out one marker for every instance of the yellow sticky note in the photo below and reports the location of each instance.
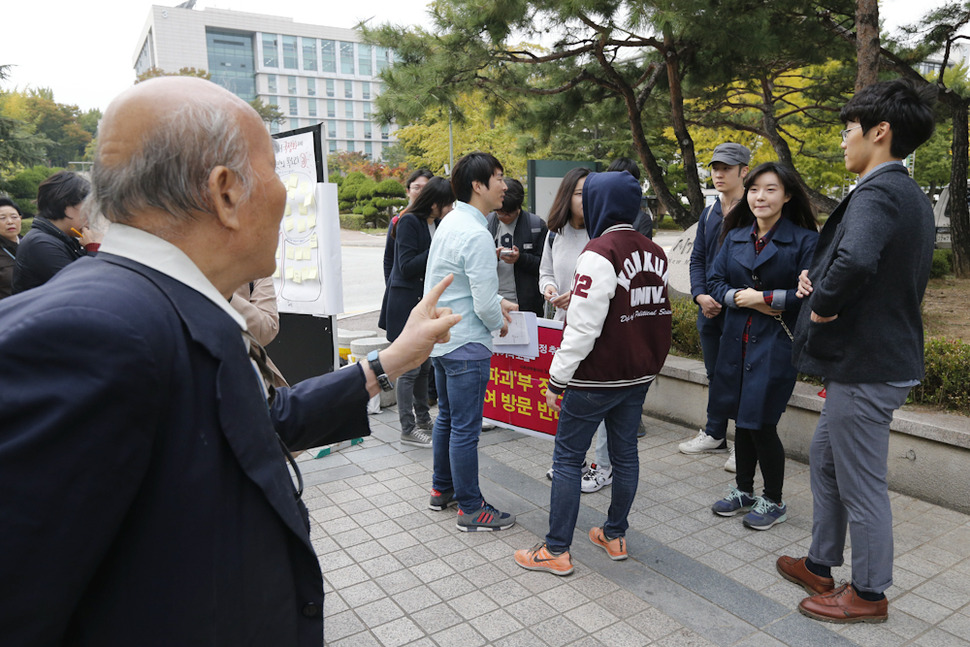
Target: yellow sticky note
(297, 278)
(302, 209)
(276, 274)
(310, 274)
(289, 274)
(301, 225)
(287, 211)
(288, 223)
(313, 240)
(293, 182)
(311, 221)
(308, 200)
(289, 253)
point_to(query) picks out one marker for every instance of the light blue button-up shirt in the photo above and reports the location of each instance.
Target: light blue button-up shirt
(462, 246)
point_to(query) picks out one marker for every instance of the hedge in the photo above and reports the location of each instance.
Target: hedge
(351, 221)
(947, 362)
(942, 263)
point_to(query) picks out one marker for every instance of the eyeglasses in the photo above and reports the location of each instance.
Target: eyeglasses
(845, 133)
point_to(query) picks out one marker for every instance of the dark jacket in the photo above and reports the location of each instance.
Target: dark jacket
(871, 269)
(529, 236)
(702, 258)
(388, 265)
(165, 515)
(405, 287)
(43, 252)
(8, 261)
(754, 391)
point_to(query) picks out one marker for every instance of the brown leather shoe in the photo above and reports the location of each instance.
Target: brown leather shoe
(794, 570)
(844, 606)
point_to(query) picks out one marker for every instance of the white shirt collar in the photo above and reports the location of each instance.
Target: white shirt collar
(162, 256)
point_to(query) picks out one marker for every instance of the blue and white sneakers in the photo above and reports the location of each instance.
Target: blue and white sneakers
(765, 514)
(734, 503)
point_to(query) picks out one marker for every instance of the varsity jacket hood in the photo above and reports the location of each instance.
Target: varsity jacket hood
(610, 199)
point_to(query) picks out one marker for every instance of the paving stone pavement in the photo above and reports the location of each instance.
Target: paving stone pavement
(398, 574)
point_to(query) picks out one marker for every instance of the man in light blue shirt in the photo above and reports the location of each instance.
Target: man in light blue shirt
(463, 246)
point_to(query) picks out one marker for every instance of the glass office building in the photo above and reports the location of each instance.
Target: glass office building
(312, 73)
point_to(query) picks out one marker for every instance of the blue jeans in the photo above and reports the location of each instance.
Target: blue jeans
(581, 414)
(710, 335)
(461, 397)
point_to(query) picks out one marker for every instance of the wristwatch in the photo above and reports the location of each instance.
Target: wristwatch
(375, 365)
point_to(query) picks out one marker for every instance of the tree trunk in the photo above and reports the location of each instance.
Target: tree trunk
(686, 144)
(867, 43)
(959, 216)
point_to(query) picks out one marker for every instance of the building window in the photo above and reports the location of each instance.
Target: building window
(332, 129)
(368, 149)
(383, 59)
(348, 89)
(368, 109)
(333, 146)
(350, 130)
(271, 57)
(274, 127)
(293, 110)
(331, 108)
(384, 133)
(231, 59)
(349, 109)
(291, 87)
(146, 59)
(364, 65)
(346, 57)
(328, 56)
(294, 123)
(271, 83)
(311, 87)
(367, 130)
(330, 88)
(312, 107)
(350, 147)
(365, 89)
(290, 55)
(309, 53)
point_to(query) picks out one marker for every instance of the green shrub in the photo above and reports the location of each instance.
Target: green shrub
(947, 381)
(391, 188)
(25, 225)
(686, 339)
(351, 221)
(942, 263)
(369, 211)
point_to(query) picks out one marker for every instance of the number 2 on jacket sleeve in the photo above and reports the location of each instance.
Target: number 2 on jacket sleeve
(581, 285)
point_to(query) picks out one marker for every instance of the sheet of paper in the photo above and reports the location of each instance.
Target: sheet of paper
(522, 339)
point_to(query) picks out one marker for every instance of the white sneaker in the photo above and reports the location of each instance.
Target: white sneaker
(703, 444)
(596, 479)
(731, 464)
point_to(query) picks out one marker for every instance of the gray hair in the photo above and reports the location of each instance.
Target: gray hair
(171, 169)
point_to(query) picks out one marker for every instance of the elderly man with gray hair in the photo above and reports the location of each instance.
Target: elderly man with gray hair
(143, 457)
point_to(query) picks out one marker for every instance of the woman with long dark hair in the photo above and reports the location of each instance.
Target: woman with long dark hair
(766, 240)
(412, 236)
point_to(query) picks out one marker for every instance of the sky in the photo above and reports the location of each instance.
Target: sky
(84, 49)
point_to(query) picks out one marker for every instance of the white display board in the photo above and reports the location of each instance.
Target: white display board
(308, 266)
(678, 262)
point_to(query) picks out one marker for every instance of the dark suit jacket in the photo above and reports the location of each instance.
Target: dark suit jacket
(870, 268)
(43, 252)
(405, 287)
(529, 236)
(146, 499)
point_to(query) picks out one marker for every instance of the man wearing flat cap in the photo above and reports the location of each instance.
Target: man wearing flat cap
(729, 166)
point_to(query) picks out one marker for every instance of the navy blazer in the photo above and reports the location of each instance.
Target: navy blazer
(529, 235)
(754, 391)
(405, 287)
(146, 498)
(871, 269)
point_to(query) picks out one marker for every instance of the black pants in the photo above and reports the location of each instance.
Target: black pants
(760, 447)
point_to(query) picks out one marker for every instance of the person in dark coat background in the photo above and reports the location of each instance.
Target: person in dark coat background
(644, 220)
(767, 239)
(10, 223)
(59, 235)
(412, 239)
(519, 251)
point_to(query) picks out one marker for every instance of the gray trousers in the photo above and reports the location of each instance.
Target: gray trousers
(412, 397)
(849, 465)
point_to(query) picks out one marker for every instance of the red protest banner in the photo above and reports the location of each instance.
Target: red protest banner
(516, 393)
